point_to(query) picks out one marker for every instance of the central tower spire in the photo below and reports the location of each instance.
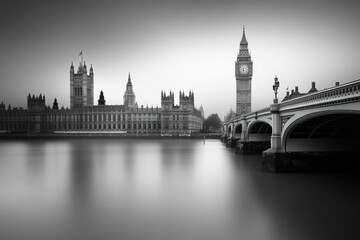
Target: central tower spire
(129, 87)
(129, 95)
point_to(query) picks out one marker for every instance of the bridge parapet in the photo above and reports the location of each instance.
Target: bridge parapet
(252, 115)
(349, 91)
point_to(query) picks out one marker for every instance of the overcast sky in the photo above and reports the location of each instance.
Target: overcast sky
(176, 45)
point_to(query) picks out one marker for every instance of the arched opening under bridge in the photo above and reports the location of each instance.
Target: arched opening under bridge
(333, 132)
(238, 130)
(325, 142)
(259, 132)
(258, 138)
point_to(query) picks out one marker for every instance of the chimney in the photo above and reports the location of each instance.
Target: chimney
(292, 91)
(337, 83)
(296, 89)
(313, 88)
(287, 93)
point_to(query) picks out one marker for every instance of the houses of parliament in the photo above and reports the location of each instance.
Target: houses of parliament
(84, 116)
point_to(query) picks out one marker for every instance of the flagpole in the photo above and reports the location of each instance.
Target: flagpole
(82, 58)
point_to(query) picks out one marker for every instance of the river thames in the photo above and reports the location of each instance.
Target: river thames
(173, 189)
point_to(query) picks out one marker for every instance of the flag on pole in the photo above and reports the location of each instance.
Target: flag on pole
(80, 54)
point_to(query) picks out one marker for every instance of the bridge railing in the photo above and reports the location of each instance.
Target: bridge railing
(255, 114)
(260, 112)
(338, 92)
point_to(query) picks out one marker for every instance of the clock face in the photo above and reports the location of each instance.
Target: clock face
(244, 69)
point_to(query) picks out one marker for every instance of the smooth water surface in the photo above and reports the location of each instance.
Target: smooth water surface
(163, 190)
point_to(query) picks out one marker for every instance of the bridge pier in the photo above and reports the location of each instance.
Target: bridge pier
(274, 159)
(245, 147)
(231, 142)
(241, 145)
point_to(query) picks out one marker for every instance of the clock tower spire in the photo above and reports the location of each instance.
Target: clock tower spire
(243, 43)
(243, 74)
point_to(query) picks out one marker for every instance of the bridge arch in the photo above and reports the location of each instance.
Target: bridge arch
(238, 130)
(324, 131)
(259, 131)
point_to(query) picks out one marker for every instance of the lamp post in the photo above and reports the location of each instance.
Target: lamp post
(275, 88)
(274, 159)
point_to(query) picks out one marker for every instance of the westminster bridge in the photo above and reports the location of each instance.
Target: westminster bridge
(323, 122)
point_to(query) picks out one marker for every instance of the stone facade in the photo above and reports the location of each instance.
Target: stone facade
(180, 119)
(84, 117)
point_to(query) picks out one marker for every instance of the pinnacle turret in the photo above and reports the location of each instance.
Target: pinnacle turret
(101, 101)
(55, 105)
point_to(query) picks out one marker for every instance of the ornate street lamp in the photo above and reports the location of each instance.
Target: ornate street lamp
(275, 88)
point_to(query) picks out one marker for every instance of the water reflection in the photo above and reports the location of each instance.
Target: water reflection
(164, 189)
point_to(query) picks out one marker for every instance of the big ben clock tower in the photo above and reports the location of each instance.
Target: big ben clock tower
(243, 73)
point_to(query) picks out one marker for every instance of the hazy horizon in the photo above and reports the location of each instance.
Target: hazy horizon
(172, 45)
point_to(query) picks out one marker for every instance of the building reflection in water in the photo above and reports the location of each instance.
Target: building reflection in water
(164, 189)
